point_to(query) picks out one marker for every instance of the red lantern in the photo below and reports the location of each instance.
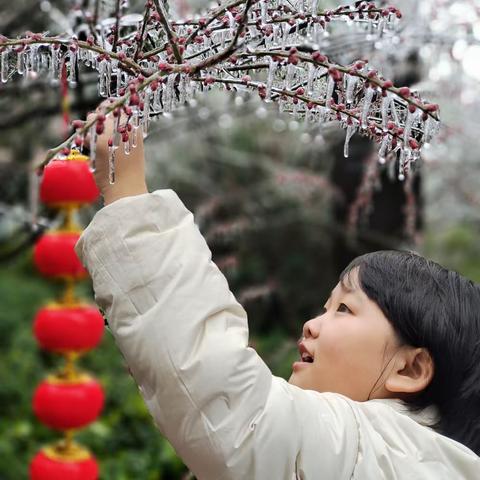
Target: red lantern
(68, 181)
(68, 404)
(54, 255)
(61, 328)
(44, 467)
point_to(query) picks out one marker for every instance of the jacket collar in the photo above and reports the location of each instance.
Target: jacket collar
(426, 417)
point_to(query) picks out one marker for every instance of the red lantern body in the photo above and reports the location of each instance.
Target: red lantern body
(61, 328)
(68, 182)
(43, 467)
(65, 405)
(54, 256)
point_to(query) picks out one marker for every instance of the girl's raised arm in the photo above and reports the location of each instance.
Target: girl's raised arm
(185, 338)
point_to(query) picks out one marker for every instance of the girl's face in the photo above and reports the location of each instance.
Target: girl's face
(350, 343)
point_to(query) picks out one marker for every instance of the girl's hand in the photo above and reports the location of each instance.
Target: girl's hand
(129, 169)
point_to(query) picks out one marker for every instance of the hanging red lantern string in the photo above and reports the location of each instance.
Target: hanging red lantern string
(70, 399)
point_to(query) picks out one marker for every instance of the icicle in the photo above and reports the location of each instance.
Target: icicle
(21, 63)
(276, 36)
(54, 65)
(351, 82)
(351, 129)
(167, 97)
(111, 165)
(286, 32)
(384, 146)
(223, 38)
(4, 67)
(33, 58)
(301, 8)
(322, 114)
(171, 88)
(271, 75)
(329, 91)
(116, 134)
(314, 8)
(384, 110)
(263, 11)
(156, 100)
(135, 124)
(146, 113)
(127, 146)
(102, 86)
(380, 27)
(231, 22)
(430, 128)
(366, 106)
(44, 60)
(409, 123)
(93, 148)
(289, 76)
(401, 164)
(108, 78)
(182, 89)
(295, 109)
(72, 64)
(317, 33)
(311, 76)
(118, 83)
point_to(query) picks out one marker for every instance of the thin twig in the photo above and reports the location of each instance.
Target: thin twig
(117, 26)
(214, 59)
(146, 16)
(172, 38)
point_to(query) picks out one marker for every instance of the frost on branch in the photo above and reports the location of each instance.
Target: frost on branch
(149, 63)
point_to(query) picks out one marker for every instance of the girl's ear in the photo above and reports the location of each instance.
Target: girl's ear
(412, 372)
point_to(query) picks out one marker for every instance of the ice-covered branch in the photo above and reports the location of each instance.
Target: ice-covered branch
(157, 65)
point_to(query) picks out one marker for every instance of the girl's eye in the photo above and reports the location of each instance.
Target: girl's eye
(343, 308)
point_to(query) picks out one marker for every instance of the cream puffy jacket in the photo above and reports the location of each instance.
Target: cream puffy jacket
(185, 338)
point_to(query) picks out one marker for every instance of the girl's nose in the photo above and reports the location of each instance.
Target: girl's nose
(310, 328)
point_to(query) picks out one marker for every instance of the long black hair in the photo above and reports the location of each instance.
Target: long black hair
(432, 307)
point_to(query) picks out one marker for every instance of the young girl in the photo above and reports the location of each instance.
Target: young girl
(387, 385)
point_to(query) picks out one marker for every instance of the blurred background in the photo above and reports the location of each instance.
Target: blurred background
(280, 207)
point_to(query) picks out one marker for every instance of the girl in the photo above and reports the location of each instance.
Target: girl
(387, 385)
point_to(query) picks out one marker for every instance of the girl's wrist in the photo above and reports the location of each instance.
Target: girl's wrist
(116, 191)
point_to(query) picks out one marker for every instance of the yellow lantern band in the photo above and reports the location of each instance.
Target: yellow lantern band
(75, 378)
(76, 156)
(67, 451)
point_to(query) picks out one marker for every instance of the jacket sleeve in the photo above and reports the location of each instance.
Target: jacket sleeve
(185, 339)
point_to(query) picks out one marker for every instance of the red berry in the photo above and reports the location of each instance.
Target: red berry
(404, 92)
(413, 144)
(318, 57)
(134, 99)
(209, 80)
(431, 107)
(412, 108)
(293, 59)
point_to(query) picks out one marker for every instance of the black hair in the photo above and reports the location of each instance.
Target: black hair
(436, 308)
